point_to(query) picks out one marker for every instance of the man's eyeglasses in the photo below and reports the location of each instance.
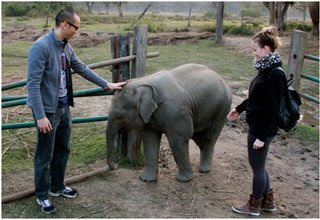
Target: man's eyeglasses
(76, 27)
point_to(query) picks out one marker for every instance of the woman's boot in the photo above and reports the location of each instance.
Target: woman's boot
(251, 208)
(268, 202)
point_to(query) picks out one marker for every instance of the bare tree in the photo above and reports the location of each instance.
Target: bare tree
(302, 6)
(120, 7)
(107, 4)
(278, 11)
(89, 6)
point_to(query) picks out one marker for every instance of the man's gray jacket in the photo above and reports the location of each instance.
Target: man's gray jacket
(44, 71)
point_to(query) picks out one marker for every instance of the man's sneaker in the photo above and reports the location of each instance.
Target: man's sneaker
(66, 192)
(46, 206)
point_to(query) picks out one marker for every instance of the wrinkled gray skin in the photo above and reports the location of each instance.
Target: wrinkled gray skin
(188, 102)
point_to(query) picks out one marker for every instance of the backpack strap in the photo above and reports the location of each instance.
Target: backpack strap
(289, 81)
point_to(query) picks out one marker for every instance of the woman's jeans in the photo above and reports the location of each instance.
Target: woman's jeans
(52, 154)
(257, 161)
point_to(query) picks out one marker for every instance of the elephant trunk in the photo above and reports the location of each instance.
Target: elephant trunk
(111, 133)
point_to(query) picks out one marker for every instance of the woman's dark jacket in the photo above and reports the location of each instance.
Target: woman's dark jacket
(263, 103)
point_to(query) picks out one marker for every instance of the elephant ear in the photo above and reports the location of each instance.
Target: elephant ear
(149, 101)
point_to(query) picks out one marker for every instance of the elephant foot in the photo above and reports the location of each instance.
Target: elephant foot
(148, 176)
(204, 168)
(184, 176)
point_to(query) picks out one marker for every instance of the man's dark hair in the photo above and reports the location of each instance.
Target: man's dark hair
(65, 15)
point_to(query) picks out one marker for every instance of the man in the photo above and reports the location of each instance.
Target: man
(49, 85)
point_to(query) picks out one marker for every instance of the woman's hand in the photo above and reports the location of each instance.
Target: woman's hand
(258, 144)
(115, 86)
(233, 115)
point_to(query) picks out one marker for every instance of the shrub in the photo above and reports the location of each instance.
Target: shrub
(297, 25)
(16, 9)
(249, 13)
(243, 29)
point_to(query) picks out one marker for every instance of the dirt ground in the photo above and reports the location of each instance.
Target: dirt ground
(293, 167)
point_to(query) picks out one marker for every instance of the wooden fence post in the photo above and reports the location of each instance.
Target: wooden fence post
(137, 70)
(120, 47)
(296, 57)
(140, 50)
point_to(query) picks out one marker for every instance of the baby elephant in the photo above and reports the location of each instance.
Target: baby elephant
(188, 102)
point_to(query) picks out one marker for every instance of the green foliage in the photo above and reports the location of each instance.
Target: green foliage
(209, 15)
(208, 28)
(250, 13)
(238, 30)
(15, 9)
(33, 9)
(297, 25)
(153, 26)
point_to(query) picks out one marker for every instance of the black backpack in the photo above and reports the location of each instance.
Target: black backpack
(289, 108)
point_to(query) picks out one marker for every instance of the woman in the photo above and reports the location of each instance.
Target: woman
(262, 108)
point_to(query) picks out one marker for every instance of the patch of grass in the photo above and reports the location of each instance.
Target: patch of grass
(88, 145)
(306, 133)
(14, 58)
(28, 208)
(203, 52)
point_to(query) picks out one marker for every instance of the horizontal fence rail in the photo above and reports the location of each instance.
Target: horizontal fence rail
(78, 93)
(91, 66)
(311, 57)
(311, 78)
(32, 124)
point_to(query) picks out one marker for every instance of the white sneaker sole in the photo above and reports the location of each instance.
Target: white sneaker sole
(47, 212)
(64, 195)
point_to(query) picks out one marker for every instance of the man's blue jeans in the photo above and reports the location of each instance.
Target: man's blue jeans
(52, 154)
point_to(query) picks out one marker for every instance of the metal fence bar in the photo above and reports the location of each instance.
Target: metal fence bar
(91, 66)
(309, 77)
(78, 93)
(12, 98)
(13, 103)
(310, 98)
(311, 57)
(13, 85)
(74, 120)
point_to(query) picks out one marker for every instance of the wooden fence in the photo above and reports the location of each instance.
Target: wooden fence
(296, 61)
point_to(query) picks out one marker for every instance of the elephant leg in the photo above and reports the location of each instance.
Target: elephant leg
(151, 145)
(180, 151)
(206, 141)
(206, 151)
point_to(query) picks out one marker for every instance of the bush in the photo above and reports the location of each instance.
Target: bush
(238, 30)
(209, 15)
(297, 25)
(249, 13)
(153, 26)
(16, 9)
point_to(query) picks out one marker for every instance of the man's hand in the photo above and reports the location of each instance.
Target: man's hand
(115, 86)
(258, 144)
(44, 125)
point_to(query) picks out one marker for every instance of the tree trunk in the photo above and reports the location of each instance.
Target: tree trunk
(272, 20)
(219, 22)
(281, 11)
(120, 10)
(314, 14)
(189, 21)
